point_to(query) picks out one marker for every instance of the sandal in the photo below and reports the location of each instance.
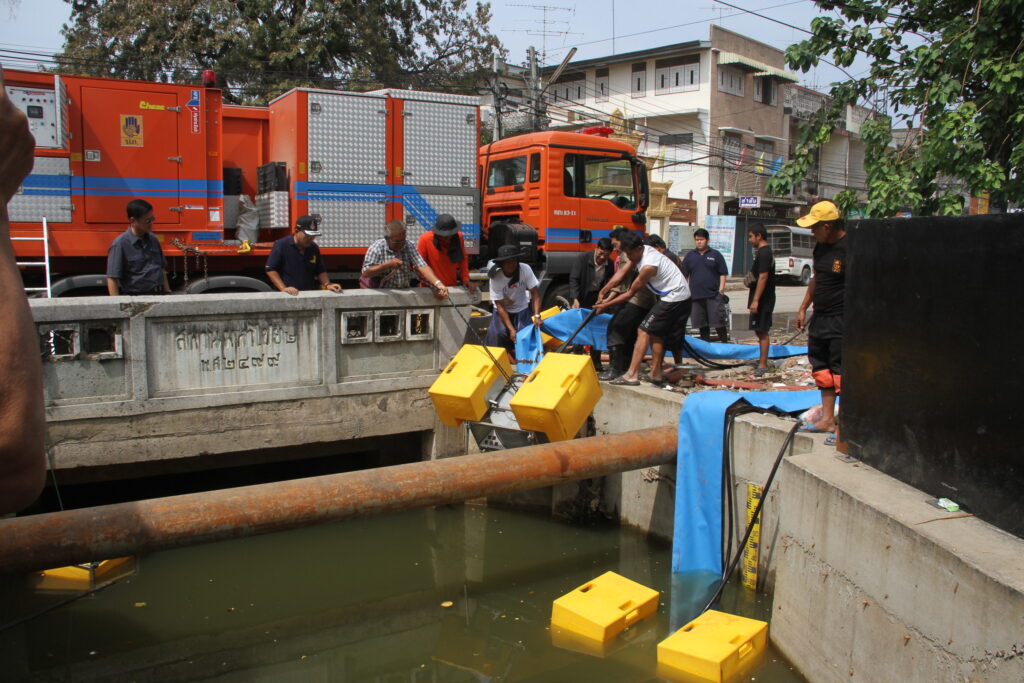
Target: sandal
(656, 382)
(830, 440)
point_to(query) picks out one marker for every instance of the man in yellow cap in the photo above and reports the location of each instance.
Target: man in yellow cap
(825, 292)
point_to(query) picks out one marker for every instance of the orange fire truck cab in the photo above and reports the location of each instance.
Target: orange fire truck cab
(555, 194)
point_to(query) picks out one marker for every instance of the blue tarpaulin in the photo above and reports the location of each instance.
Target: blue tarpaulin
(741, 351)
(697, 539)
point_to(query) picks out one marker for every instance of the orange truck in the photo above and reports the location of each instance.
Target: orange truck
(225, 181)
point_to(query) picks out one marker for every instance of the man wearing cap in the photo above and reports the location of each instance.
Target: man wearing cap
(295, 264)
(444, 250)
(391, 262)
(825, 292)
(706, 271)
(514, 292)
(135, 259)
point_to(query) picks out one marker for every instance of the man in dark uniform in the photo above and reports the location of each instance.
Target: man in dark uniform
(590, 272)
(295, 263)
(706, 271)
(135, 259)
(825, 292)
(761, 300)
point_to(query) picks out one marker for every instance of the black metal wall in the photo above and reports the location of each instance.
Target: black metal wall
(933, 370)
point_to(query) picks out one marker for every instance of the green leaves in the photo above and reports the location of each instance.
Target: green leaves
(260, 48)
(954, 71)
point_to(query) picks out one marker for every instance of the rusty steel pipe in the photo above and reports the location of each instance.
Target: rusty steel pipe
(62, 538)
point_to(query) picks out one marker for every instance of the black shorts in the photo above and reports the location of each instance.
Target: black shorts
(825, 344)
(762, 320)
(666, 319)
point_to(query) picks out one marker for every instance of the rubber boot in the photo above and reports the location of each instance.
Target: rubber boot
(595, 357)
(723, 334)
(614, 361)
(705, 334)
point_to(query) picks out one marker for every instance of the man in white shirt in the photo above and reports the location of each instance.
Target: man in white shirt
(667, 317)
(514, 290)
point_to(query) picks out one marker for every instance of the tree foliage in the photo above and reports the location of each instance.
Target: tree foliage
(260, 48)
(953, 73)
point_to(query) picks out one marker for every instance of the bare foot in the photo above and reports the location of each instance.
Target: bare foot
(823, 426)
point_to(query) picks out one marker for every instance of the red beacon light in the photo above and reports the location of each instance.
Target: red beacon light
(209, 78)
(599, 131)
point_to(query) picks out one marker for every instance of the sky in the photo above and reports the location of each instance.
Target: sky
(552, 26)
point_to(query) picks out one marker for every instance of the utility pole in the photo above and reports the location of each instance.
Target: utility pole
(533, 88)
(496, 91)
(721, 177)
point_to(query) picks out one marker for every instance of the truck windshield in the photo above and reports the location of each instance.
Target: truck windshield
(503, 172)
(600, 177)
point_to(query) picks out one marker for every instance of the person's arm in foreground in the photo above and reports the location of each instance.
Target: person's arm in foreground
(22, 423)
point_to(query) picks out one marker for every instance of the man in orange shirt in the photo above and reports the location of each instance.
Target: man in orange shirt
(444, 250)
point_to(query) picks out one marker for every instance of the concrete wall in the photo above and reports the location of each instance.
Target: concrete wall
(871, 582)
(140, 379)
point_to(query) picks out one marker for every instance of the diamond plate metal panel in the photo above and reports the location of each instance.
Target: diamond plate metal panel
(440, 144)
(273, 210)
(347, 139)
(46, 193)
(423, 209)
(425, 96)
(349, 219)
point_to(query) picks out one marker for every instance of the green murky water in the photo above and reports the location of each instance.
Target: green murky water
(359, 601)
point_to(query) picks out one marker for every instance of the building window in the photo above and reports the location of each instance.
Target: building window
(764, 152)
(676, 74)
(765, 90)
(639, 79)
(676, 139)
(601, 85)
(731, 80)
(570, 88)
(733, 149)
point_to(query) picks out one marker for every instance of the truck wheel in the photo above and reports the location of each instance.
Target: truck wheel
(805, 276)
(558, 295)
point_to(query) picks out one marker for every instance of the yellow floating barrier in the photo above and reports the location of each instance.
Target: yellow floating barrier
(713, 648)
(79, 577)
(602, 608)
(557, 396)
(460, 392)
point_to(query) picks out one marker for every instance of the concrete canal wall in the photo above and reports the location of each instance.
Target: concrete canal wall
(147, 379)
(871, 581)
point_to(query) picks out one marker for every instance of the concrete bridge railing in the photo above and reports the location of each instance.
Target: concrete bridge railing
(139, 379)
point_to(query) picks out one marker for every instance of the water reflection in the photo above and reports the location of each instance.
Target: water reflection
(359, 601)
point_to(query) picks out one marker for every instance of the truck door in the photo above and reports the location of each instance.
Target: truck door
(130, 151)
(439, 148)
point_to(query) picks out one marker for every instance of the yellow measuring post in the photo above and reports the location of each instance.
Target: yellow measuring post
(754, 493)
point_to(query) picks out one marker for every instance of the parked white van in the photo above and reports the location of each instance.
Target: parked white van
(793, 248)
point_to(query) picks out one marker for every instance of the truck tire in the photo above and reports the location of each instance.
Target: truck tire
(805, 276)
(557, 295)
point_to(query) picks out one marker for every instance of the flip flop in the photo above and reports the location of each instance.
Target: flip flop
(655, 382)
(810, 429)
(620, 382)
(830, 440)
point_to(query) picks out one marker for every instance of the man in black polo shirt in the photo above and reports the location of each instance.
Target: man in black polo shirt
(135, 260)
(295, 264)
(825, 292)
(706, 271)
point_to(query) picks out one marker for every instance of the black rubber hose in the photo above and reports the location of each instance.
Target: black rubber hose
(727, 574)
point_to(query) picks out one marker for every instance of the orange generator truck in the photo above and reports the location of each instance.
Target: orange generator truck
(225, 181)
